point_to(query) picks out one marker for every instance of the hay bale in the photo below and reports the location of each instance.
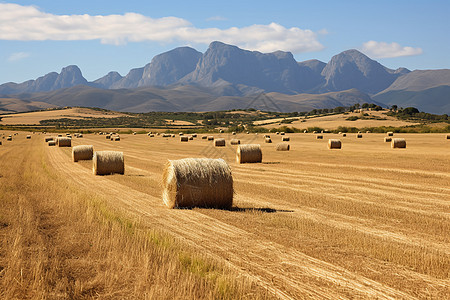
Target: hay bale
(285, 139)
(210, 138)
(267, 136)
(314, 132)
(235, 142)
(28, 137)
(173, 135)
(387, 139)
(134, 133)
(249, 153)
(233, 133)
(108, 162)
(151, 135)
(9, 138)
(334, 144)
(305, 131)
(194, 135)
(51, 143)
(204, 137)
(184, 138)
(398, 143)
(198, 182)
(268, 140)
(447, 136)
(191, 138)
(116, 138)
(283, 147)
(64, 142)
(48, 139)
(180, 133)
(359, 136)
(390, 133)
(166, 135)
(220, 131)
(108, 137)
(344, 134)
(219, 142)
(319, 137)
(277, 133)
(82, 152)
(80, 135)
(359, 132)
(367, 131)
(282, 133)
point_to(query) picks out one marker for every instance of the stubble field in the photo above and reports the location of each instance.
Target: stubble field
(365, 221)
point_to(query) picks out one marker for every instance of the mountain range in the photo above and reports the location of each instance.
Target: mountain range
(227, 77)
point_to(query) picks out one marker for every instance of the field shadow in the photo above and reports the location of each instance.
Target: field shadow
(257, 209)
(271, 162)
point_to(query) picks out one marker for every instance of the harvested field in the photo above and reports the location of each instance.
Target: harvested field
(367, 221)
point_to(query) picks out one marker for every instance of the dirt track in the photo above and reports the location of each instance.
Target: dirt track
(366, 189)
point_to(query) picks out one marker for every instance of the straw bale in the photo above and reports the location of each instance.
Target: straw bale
(305, 131)
(334, 144)
(9, 138)
(367, 131)
(116, 138)
(191, 138)
(285, 139)
(51, 143)
(398, 143)
(314, 132)
(194, 135)
(28, 137)
(64, 142)
(387, 139)
(268, 140)
(235, 142)
(49, 138)
(344, 134)
(447, 136)
(283, 147)
(282, 133)
(233, 133)
(210, 138)
(249, 153)
(108, 162)
(184, 138)
(82, 152)
(108, 137)
(220, 142)
(319, 137)
(204, 137)
(198, 182)
(390, 133)
(359, 136)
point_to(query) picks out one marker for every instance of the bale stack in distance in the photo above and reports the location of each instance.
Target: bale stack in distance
(283, 147)
(334, 144)
(82, 152)
(398, 143)
(198, 182)
(51, 143)
(268, 140)
(219, 142)
(319, 137)
(359, 136)
(64, 142)
(387, 139)
(285, 139)
(108, 162)
(390, 133)
(210, 138)
(235, 142)
(184, 138)
(249, 153)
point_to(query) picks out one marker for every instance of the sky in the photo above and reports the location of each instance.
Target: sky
(42, 36)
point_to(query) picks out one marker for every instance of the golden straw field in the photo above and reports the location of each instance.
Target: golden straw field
(365, 221)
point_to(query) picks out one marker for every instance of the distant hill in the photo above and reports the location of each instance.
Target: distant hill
(228, 74)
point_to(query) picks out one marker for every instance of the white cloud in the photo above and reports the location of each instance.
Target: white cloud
(385, 50)
(18, 56)
(216, 18)
(28, 23)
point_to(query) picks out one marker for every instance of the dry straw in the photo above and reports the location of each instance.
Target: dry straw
(267, 140)
(108, 162)
(398, 143)
(285, 139)
(283, 147)
(334, 144)
(64, 142)
(387, 139)
(219, 142)
(198, 182)
(390, 133)
(319, 137)
(249, 153)
(52, 143)
(235, 142)
(82, 152)
(184, 138)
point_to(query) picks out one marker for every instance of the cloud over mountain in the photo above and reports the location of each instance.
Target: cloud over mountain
(28, 23)
(385, 50)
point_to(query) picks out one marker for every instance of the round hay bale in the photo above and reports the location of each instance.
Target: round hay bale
(267, 136)
(28, 137)
(184, 138)
(359, 136)
(282, 133)
(134, 133)
(108, 137)
(64, 142)
(0, 143)
(334, 144)
(108, 162)
(390, 133)
(233, 133)
(359, 132)
(314, 132)
(9, 138)
(51, 143)
(48, 139)
(210, 138)
(340, 132)
(387, 139)
(59, 135)
(219, 142)
(194, 135)
(319, 137)
(367, 131)
(448, 137)
(204, 137)
(173, 135)
(191, 138)
(305, 131)
(344, 134)
(398, 143)
(198, 182)
(248, 132)
(151, 135)
(180, 133)
(285, 139)
(80, 135)
(249, 153)
(235, 142)
(82, 152)
(166, 135)
(283, 147)
(268, 140)
(220, 131)
(116, 138)
(277, 133)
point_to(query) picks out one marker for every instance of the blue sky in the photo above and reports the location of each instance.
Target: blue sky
(38, 37)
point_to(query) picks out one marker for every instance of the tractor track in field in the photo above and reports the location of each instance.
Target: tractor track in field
(286, 272)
